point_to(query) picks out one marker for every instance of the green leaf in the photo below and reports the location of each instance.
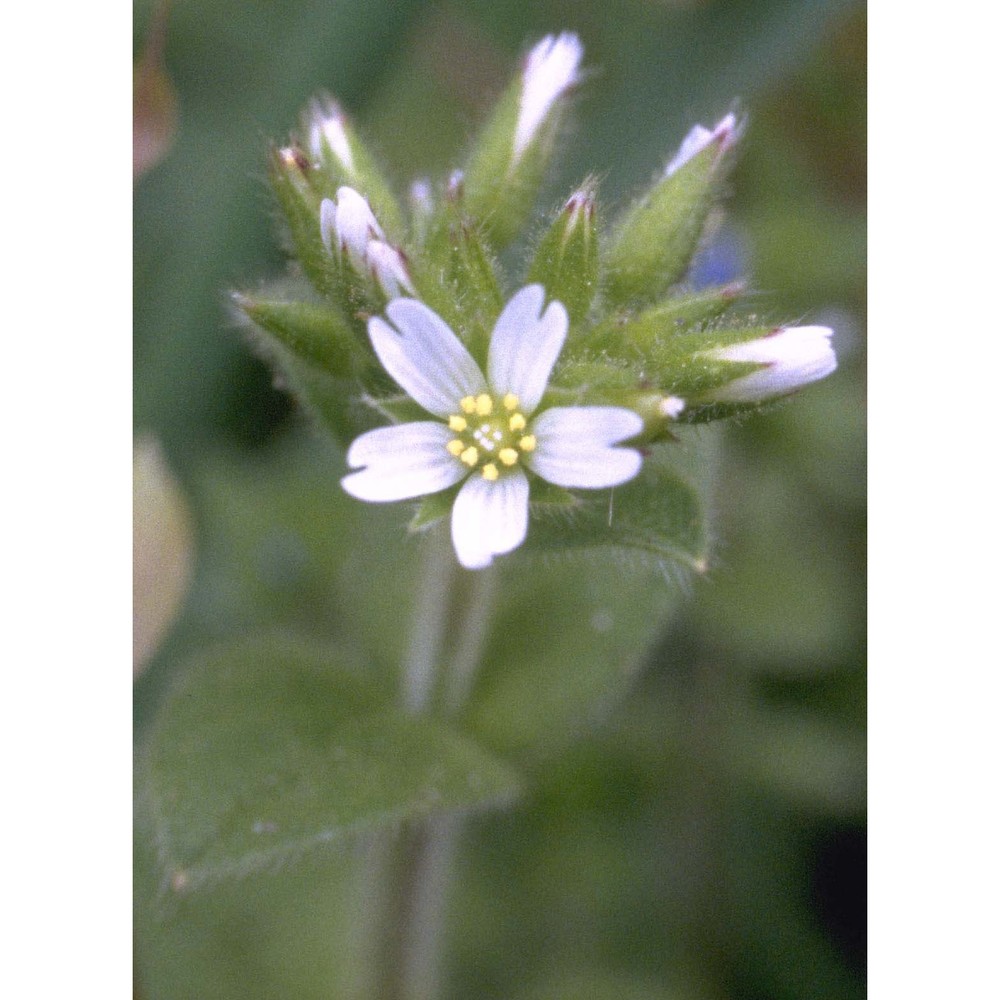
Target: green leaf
(657, 514)
(582, 602)
(267, 749)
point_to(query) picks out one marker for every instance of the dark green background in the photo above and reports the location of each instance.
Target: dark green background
(707, 840)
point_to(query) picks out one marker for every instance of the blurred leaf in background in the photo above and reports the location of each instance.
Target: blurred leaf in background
(705, 838)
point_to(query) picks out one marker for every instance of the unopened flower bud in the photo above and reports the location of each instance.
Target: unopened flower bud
(349, 221)
(791, 357)
(566, 260)
(388, 267)
(725, 133)
(325, 122)
(550, 69)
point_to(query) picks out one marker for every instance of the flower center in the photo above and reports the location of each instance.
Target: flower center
(490, 434)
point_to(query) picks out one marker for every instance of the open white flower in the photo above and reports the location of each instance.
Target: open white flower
(487, 432)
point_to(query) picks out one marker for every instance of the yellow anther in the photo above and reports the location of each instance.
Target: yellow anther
(455, 447)
(517, 422)
(484, 405)
(527, 443)
(511, 402)
(468, 404)
(491, 473)
(457, 423)
(508, 456)
(470, 456)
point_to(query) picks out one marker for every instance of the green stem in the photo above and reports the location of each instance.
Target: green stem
(472, 637)
(430, 617)
(416, 870)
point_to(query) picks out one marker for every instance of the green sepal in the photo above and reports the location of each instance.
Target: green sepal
(456, 276)
(566, 260)
(317, 333)
(433, 507)
(266, 749)
(589, 379)
(629, 335)
(360, 171)
(290, 175)
(653, 246)
(499, 190)
(679, 365)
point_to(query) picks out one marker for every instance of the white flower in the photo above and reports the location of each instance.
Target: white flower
(351, 223)
(487, 430)
(725, 134)
(549, 71)
(326, 123)
(792, 356)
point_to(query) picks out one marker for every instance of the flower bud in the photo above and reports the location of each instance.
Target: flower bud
(724, 135)
(291, 179)
(658, 237)
(388, 267)
(341, 159)
(566, 260)
(505, 170)
(327, 133)
(550, 69)
(349, 224)
(790, 357)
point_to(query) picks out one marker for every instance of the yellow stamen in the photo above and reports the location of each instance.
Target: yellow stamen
(491, 473)
(527, 443)
(484, 405)
(470, 456)
(508, 456)
(511, 402)
(468, 404)
(457, 424)
(517, 422)
(455, 447)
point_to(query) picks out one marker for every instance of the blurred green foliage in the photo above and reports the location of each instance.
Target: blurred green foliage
(701, 838)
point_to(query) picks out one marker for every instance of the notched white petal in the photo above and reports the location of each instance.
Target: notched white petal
(423, 355)
(525, 345)
(576, 446)
(489, 518)
(401, 462)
